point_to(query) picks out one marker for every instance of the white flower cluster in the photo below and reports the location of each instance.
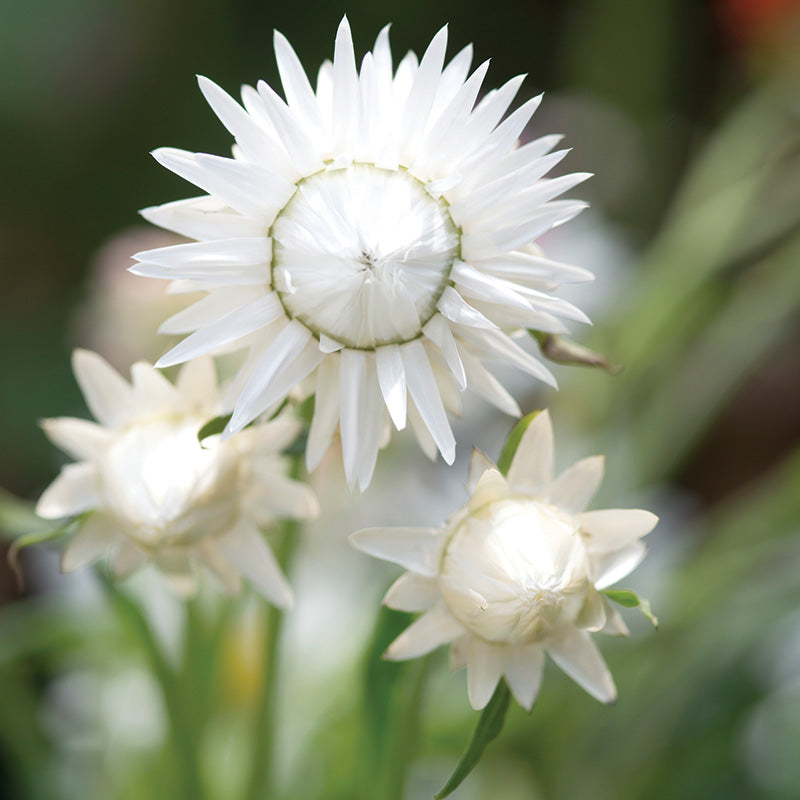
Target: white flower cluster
(516, 573)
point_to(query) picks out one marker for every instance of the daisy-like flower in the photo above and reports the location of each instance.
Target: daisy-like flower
(156, 494)
(373, 239)
(516, 573)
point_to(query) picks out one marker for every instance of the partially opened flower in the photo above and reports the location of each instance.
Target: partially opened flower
(156, 494)
(516, 573)
(373, 239)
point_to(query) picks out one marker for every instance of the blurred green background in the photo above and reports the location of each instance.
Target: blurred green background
(688, 113)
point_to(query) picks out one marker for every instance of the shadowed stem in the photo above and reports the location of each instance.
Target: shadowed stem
(260, 785)
(184, 733)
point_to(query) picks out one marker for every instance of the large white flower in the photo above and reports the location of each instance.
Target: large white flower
(156, 494)
(516, 573)
(373, 236)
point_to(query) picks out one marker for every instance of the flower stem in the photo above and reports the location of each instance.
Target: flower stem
(184, 734)
(260, 785)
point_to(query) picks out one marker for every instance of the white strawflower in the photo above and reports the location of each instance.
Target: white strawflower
(373, 236)
(156, 494)
(516, 573)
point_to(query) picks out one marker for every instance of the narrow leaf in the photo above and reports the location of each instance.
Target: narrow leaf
(512, 443)
(629, 599)
(489, 726)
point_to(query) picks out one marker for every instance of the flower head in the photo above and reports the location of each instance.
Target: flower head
(156, 494)
(516, 573)
(371, 238)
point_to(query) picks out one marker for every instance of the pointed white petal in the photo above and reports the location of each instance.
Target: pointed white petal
(204, 218)
(210, 308)
(472, 283)
(154, 393)
(417, 549)
(207, 553)
(453, 306)
(279, 496)
(244, 547)
(288, 356)
(299, 94)
(126, 559)
(615, 625)
(92, 540)
(608, 568)
(372, 418)
(352, 368)
(326, 411)
(575, 487)
(425, 394)
(76, 489)
(234, 325)
(486, 663)
(421, 432)
(579, 657)
(438, 331)
(392, 380)
(479, 462)
(435, 628)
(197, 381)
(615, 528)
(483, 383)
(345, 87)
(458, 652)
(592, 616)
(412, 592)
(531, 470)
(524, 672)
(78, 438)
(256, 144)
(108, 395)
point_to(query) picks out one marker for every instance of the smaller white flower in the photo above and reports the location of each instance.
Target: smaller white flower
(516, 573)
(157, 495)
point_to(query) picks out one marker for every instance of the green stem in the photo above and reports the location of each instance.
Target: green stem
(184, 734)
(260, 785)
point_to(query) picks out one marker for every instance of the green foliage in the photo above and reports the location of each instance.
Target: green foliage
(629, 599)
(489, 726)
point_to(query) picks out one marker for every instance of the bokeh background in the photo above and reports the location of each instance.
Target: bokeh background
(688, 113)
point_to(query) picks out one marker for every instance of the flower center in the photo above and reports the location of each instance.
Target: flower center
(362, 255)
(515, 572)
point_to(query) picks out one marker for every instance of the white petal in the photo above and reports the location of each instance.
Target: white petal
(109, 397)
(345, 87)
(485, 665)
(412, 592)
(608, 568)
(531, 469)
(524, 672)
(326, 411)
(287, 356)
(372, 417)
(483, 383)
(425, 394)
(154, 393)
(417, 549)
(279, 496)
(197, 381)
(579, 657)
(438, 331)
(421, 432)
(352, 368)
(76, 489)
(615, 528)
(479, 462)
(458, 652)
(208, 554)
(436, 627)
(453, 306)
(255, 142)
(392, 380)
(592, 617)
(234, 325)
(126, 559)
(78, 438)
(491, 486)
(92, 540)
(472, 283)
(299, 94)
(204, 218)
(574, 488)
(615, 624)
(210, 308)
(247, 551)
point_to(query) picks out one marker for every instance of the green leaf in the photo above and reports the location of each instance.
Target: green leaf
(564, 351)
(512, 443)
(213, 426)
(489, 726)
(629, 599)
(40, 537)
